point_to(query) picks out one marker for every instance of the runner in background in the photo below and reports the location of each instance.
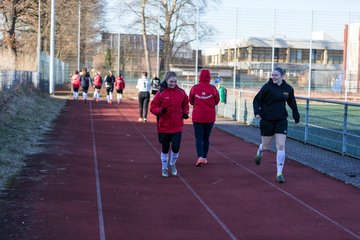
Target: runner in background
(119, 86)
(75, 82)
(143, 85)
(109, 85)
(85, 82)
(270, 107)
(155, 84)
(97, 86)
(171, 106)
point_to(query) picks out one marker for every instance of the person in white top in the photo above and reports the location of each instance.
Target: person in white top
(143, 85)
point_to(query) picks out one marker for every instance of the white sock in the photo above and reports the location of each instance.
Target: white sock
(120, 97)
(173, 157)
(280, 161)
(260, 150)
(85, 96)
(164, 160)
(110, 96)
(76, 95)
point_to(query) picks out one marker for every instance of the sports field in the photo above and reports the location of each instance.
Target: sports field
(100, 178)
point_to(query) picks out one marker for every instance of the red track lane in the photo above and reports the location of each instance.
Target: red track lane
(230, 198)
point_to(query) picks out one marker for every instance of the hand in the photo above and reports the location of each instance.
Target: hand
(185, 116)
(296, 118)
(164, 110)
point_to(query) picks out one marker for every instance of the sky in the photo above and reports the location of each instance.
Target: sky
(234, 19)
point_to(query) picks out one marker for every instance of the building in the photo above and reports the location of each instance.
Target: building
(252, 57)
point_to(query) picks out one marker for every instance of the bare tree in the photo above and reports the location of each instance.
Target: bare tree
(177, 22)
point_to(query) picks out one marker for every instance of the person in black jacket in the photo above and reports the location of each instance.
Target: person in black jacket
(270, 107)
(85, 82)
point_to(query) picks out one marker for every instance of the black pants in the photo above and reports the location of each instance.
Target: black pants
(144, 99)
(202, 136)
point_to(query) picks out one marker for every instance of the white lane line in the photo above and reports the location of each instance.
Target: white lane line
(212, 213)
(98, 191)
(289, 194)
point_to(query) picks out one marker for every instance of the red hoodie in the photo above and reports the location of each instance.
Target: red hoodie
(75, 80)
(176, 102)
(204, 97)
(119, 83)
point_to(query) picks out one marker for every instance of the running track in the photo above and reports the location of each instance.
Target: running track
(103, 181)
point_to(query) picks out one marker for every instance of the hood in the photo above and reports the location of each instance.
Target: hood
(204, 76)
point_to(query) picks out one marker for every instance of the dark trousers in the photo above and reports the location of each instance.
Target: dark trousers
(144, 99)
(202, 136)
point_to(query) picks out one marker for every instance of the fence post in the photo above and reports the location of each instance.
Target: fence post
(345, 129)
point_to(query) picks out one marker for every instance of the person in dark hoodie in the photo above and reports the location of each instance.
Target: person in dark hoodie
(85, 82)
(204, 97)
(171, 106)
(270, 107)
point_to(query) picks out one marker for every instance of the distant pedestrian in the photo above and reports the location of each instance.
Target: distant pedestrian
(171, 105)
(270, 107)
(109, 86)
(155, 84)
(97, 86)
(204, 97)
(75, 82)
(143, 85)
(119, 86)
(85, 82)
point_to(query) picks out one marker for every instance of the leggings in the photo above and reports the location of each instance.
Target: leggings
(166, 138)
(202, 136)
(144, 99)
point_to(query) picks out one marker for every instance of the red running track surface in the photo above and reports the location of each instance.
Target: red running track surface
(100, 178)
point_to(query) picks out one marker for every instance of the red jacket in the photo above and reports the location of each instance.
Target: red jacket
(176, 102)
(204, 97)
(75, 80)
(119, 83)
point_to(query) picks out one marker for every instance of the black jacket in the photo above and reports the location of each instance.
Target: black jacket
(270, 101)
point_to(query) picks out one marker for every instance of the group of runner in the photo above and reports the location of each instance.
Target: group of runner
(170, 105)
(82, 79)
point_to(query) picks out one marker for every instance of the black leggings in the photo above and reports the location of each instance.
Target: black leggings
(144, 99)
(166, 138)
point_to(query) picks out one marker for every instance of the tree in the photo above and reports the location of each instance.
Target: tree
(176, 20)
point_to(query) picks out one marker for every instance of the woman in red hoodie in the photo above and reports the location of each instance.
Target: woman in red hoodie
(204, 97)
(171, 106)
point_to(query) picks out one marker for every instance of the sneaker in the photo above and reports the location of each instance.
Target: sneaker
(173, 170)
(140, 120)
(199, 162)
(257, 159)
(145, 120)
(164, 172)
(280, 178)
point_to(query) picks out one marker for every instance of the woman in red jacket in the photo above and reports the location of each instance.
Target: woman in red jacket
(75, 81)
(204, 97)
(171, 106)
(119, 86)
